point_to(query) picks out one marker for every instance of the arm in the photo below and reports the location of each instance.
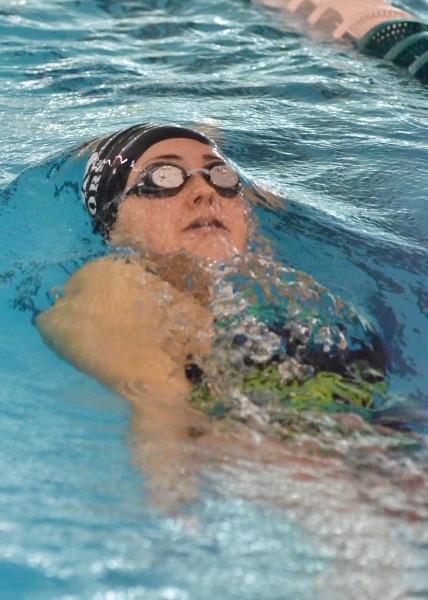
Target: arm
(132, 331)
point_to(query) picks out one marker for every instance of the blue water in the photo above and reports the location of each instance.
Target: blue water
(343, 139)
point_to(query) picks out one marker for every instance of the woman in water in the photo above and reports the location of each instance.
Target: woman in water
(183, 319)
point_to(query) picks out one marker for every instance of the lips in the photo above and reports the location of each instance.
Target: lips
(206, 222)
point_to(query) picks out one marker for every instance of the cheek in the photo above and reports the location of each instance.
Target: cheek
(157, 233)
(140, 222)
(238, 217)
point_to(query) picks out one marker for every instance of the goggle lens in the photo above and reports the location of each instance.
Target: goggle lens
(224, 176)
(167, 177)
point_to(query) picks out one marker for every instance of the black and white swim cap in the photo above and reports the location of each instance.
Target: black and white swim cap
(111, 161)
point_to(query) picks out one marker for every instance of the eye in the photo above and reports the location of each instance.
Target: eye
(224, 176)
(167, 176)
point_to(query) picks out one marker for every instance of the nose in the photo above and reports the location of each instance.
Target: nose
(200, 191)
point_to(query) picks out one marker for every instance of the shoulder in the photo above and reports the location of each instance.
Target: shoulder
(113, 278)
(108, 270)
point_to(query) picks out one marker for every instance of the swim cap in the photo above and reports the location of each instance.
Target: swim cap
(111, 161)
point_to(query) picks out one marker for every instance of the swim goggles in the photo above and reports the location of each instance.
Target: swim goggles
(167, 180)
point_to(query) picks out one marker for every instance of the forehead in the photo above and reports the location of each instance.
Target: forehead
(183, 149)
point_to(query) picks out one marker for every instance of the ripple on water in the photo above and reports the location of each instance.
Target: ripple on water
(344, 140)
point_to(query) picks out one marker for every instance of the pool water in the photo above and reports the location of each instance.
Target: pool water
(342, 138)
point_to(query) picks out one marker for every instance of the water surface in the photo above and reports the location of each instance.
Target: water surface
(343, 139)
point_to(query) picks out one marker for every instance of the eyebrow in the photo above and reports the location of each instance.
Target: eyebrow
(178, 157)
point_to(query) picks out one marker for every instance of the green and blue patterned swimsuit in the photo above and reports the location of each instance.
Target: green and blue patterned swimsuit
(285, 345)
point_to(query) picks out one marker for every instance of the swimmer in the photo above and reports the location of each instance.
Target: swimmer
(170, 196)
(375, 27)
(159, 317)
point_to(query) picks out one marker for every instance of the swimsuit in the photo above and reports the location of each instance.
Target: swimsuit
(304, 349)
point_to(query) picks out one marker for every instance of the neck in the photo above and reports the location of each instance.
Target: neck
(186, 273)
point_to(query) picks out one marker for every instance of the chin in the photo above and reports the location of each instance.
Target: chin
(212, 246)
(214, 251)
(215, 255)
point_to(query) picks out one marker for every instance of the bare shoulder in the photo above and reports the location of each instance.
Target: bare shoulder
(106, 282)
(112, 277)
(121, 323)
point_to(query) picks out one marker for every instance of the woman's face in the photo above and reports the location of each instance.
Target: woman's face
(197, 218)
